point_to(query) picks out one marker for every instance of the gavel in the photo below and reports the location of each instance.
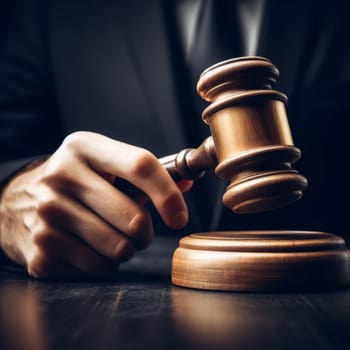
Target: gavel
(250, 144)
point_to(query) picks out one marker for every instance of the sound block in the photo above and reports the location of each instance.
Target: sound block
(261, 261)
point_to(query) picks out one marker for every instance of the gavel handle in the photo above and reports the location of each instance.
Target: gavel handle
(191, 163)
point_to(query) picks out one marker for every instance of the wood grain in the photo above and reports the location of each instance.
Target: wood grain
(261, 261)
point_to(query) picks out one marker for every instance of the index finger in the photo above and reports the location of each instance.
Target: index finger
(136, 165)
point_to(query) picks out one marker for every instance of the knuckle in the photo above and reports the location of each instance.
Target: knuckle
(75, 140)
(140, 229)
(39, 265)
(62, 174)
(144, 164)
(139, 223)
(48, 205)
(42, 237)
(58, 171)
(62, 166)
(124, 250)
(169, 198)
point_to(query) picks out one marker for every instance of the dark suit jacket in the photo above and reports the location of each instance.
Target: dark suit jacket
(115, 67)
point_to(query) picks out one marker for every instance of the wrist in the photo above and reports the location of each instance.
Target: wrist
(6, 186)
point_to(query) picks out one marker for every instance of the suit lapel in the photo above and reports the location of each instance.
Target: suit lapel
(145, 32)
(285, 36)
(113, 73)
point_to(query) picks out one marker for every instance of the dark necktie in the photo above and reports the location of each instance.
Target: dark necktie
(217, 36)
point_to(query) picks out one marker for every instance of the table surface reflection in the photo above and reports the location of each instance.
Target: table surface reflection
(140, 309)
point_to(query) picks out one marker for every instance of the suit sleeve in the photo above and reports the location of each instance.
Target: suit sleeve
(29, 124)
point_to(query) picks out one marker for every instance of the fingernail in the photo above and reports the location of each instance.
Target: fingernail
(179, 220)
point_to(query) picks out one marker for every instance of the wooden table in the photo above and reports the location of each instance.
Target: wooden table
(140, 309)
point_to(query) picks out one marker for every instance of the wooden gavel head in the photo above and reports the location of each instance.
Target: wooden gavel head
(253, 143)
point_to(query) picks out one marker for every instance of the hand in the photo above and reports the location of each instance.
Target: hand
(64, 218)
